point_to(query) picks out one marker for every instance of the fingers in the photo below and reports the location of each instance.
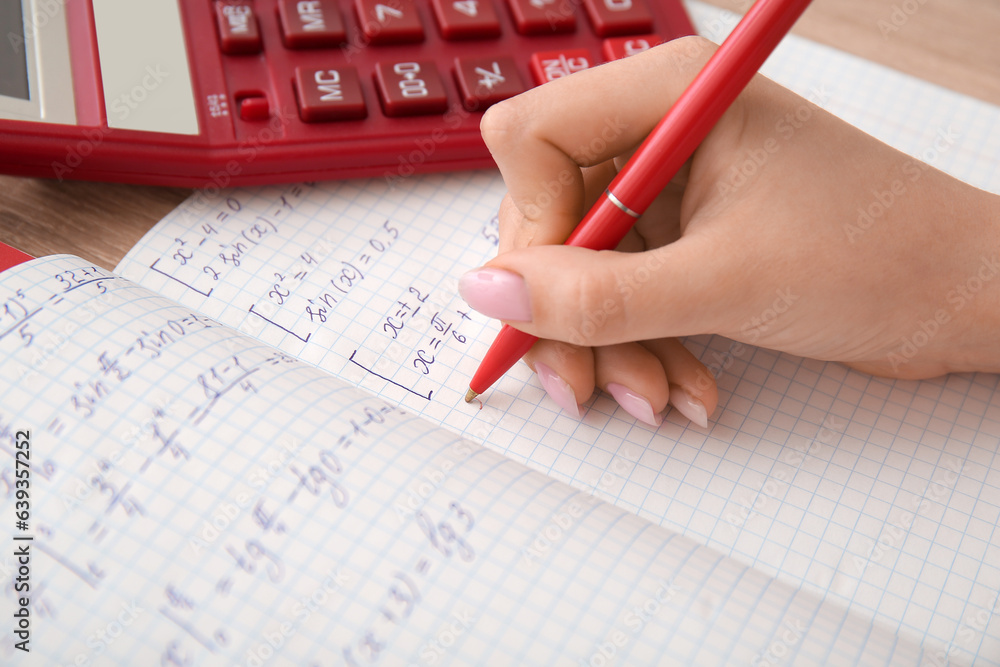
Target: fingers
(566, 372)
(542, 138)
(635, 379)
(641, 377)
(517, 231)
(591, 298)
(693, 390)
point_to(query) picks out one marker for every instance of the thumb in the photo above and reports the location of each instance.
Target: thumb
(595, 298)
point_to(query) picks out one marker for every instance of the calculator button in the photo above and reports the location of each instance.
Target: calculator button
(329, 94)
(389, 22)
(551, 65)
(238, 29)
(486, 81)
(310, 24)
(466, 19)
(410, 88)
(619, 17)
(254, 107)
(539, 17)
(616, 48)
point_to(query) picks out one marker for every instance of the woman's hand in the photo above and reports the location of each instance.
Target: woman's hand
(787, 229)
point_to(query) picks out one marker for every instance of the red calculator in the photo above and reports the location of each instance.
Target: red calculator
(203, 93)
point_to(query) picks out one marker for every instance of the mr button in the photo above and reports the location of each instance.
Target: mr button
(310, 24)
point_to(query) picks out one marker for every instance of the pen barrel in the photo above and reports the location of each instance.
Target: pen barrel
(612, 228)
(702, 104)
(508, 347)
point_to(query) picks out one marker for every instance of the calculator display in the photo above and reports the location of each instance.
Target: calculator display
(213, 93)
(13, 61)
(35, 72)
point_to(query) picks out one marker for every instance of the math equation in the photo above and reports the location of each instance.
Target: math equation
(175, 451)
(372, 289)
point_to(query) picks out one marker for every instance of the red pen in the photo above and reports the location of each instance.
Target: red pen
(661, 155)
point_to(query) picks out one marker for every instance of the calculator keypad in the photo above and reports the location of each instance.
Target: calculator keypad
(408, 86)
(357, 84)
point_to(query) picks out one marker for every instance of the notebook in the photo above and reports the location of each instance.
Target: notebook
(249, 445)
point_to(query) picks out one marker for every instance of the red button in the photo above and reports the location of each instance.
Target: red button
(619, 17)
(410, 88)
(616, 48)
(254, 107)
(309, 24)
(486, 81)
(551, 65)
(238, 29)
(466, 19)
(540, 17)
(389, 22)
(329, 94)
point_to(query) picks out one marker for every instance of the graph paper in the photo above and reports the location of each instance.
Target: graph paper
(200, 498)
(876, 494)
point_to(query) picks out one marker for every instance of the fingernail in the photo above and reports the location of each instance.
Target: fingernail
(496, 293)
(689, 407)
(558, 390)
(634, 404)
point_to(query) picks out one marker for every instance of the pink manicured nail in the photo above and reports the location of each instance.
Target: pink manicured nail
(634, 404)
(689, 407)
(558, 390)
(496, 293)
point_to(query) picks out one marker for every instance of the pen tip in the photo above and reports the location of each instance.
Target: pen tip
(469, 395)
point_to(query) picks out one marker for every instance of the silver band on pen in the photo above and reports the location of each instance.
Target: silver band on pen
(618, 202)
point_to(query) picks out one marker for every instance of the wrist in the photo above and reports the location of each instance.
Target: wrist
(974, 299)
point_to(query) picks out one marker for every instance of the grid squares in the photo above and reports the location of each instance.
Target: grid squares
(888, 435)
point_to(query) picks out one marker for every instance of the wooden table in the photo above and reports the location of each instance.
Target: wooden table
(953, 43)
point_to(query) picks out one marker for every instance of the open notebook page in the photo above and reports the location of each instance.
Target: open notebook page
(199, 498)
(880, 494)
